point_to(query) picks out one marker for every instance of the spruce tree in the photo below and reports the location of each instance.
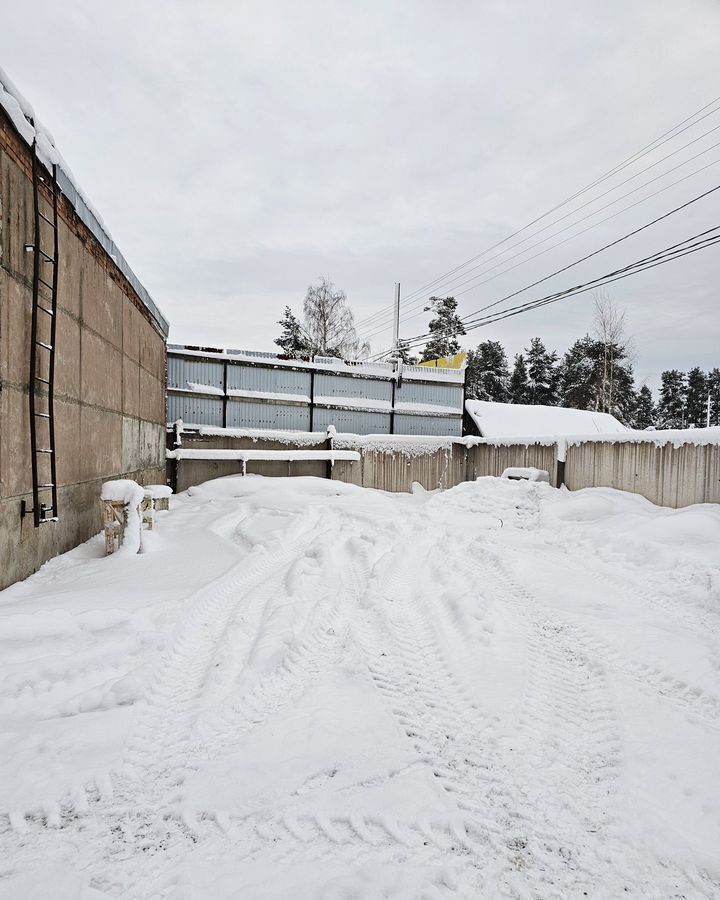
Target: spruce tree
(582, 371)
(671, 405)
(696, 398)
(644, 414)
(518, 384)
(713, 388)
(487, 376)
(445, 329)
(291, 340)
(542, 374)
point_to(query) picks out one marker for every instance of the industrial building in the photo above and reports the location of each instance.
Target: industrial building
(82, 354)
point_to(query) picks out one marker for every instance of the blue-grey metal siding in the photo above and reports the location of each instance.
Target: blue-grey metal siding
(271, 412)
(446, 395)
(257, 414)
(352, 386)
(352, 421)
(432, 425)
(271, 381)
(198, 371)
(195, 409)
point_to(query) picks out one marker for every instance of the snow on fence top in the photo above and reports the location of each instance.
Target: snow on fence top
(700, 437)
(23, 118)
(507, 420)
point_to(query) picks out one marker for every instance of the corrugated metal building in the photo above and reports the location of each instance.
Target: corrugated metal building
(243, 389)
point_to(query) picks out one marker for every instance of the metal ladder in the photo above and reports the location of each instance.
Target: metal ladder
(42, 349)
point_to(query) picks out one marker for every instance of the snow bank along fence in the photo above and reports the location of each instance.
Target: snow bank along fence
(669, 468)
(248, 389)
(82, 365)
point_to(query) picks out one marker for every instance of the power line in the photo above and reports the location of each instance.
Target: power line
(693, 244)
(593, 253)
(689, 122)
(474, 283)
(443, 282)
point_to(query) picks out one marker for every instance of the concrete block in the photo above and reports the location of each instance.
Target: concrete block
(67, 441)
(102, 304)
(131, 386)
(101, 441)
(100, 372)
(152, 397)
(67, 358)
(15, 465)
(17, 326)
(70, 270)
(132, 322)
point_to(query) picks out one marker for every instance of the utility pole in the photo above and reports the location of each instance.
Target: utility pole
(396, 317)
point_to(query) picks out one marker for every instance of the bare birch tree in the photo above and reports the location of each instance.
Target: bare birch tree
(610, 330)
(329, 325)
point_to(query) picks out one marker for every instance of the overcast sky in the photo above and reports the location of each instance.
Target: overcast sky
(237, 150)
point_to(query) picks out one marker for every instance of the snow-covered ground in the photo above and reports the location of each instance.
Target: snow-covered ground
(304, 689)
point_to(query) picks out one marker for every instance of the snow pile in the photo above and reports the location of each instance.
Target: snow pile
(157, 491)
(518, 419)
(123, 490)
(528, 473)
(311, 690)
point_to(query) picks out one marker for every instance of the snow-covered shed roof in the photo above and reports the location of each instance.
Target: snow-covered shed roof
(25, 122)
(520, 420)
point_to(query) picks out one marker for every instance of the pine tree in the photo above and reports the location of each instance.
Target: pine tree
(671, 405)
(713, 388)
(518, 384)
(402, 352)
(445, 329)
(543, 374)
(291, 340)
(487, 376)
(696, 398)
(644, 413)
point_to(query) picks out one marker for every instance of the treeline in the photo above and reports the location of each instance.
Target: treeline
(593, 374)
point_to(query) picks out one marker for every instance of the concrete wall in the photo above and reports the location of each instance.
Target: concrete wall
(109, 376)
(386, 471)
(666, 475)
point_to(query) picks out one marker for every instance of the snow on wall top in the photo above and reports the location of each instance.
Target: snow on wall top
(519, 419)
(23, 118)
(376, 369)
(676, 436)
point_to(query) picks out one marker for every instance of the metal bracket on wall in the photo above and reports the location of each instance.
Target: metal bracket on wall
(42, 349)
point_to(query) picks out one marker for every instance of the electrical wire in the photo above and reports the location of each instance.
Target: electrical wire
(693, 244)
(687, 123)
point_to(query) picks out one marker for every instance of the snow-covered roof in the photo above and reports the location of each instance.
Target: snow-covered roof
(25, 122)
(519, 420)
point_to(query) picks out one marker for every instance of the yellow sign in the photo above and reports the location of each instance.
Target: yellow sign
(447, 362)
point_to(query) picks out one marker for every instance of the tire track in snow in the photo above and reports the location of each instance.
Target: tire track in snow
(586, 740)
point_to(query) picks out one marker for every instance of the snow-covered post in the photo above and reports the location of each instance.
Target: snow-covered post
(330, 434)
(122, 522)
